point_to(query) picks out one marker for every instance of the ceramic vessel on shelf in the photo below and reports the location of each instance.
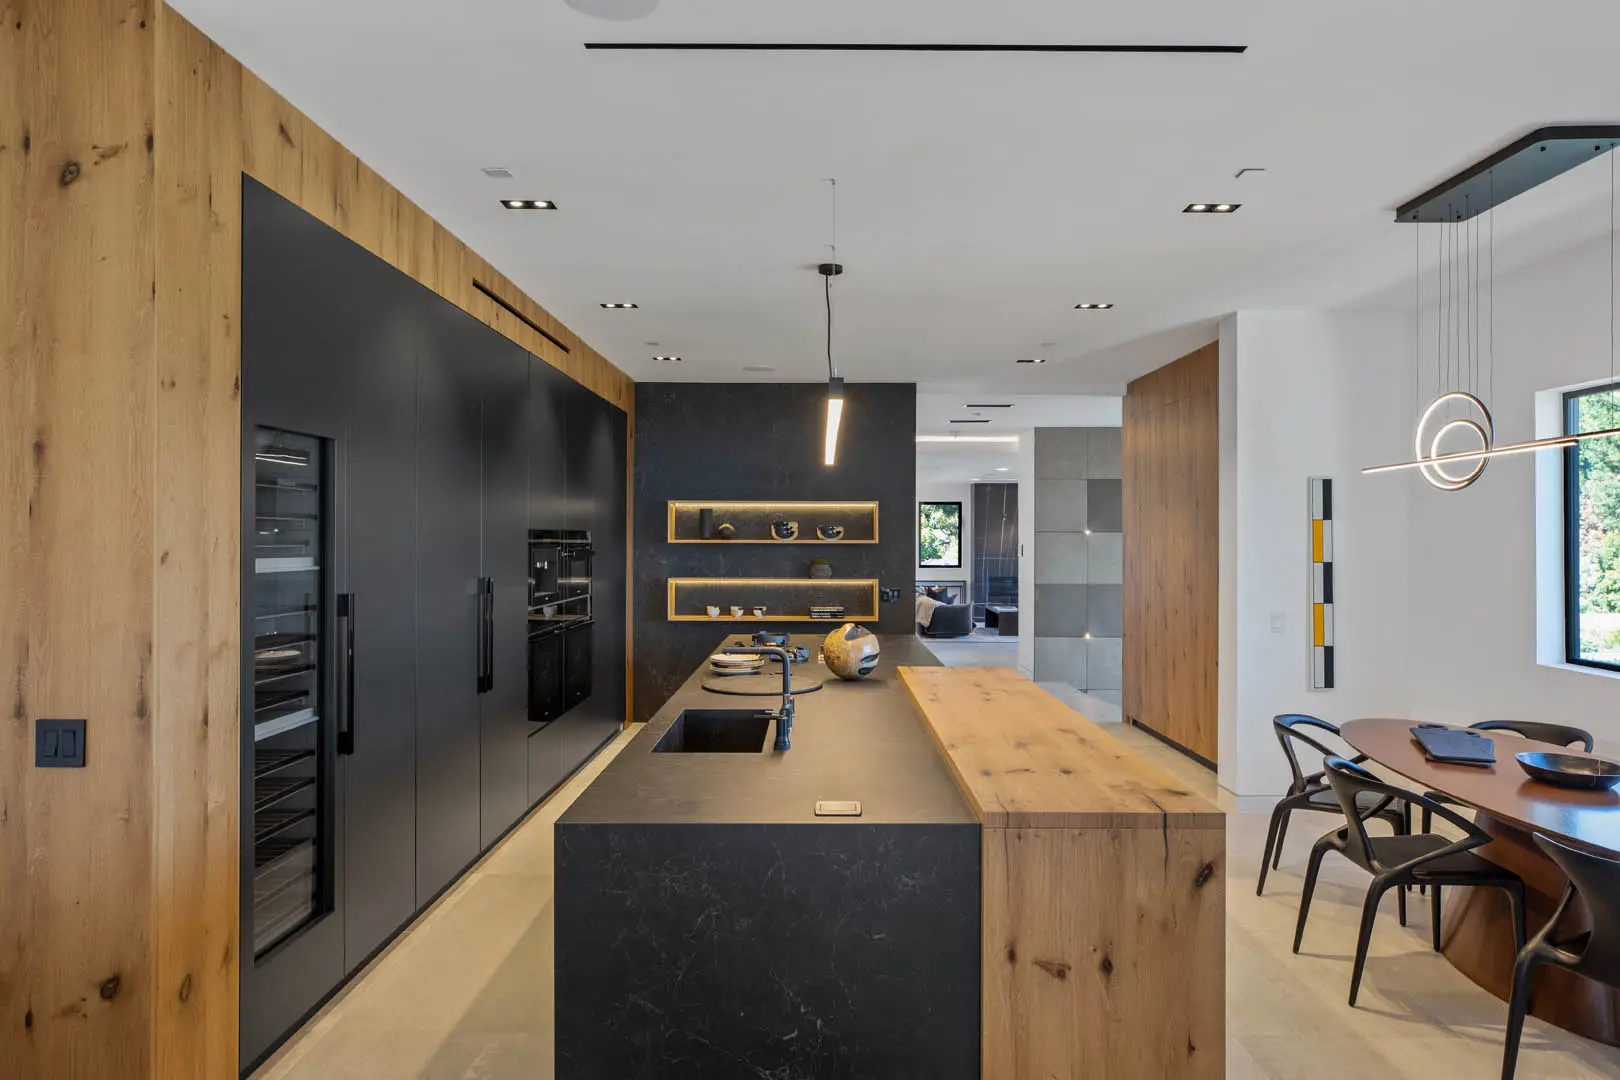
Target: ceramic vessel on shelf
(725, 530)
(706, 523)
(759, 612)
(785, 530)
(736, 612)
(820, 568)
(714, 612)
(830, 531)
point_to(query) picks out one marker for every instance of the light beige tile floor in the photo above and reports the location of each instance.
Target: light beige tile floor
(465, 993)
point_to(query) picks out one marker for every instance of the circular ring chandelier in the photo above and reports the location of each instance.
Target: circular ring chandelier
(1433, 464)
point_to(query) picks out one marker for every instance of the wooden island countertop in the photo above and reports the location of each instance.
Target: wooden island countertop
(1104, 936)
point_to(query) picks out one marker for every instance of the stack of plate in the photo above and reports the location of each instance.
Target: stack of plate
(734, 664)
(826, 611)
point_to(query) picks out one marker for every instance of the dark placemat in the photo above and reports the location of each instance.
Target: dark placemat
(1453, 746)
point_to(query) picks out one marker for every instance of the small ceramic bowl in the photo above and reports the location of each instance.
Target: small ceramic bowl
(1571, 770)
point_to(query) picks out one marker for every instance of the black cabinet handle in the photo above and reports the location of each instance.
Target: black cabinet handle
(486, 635)
(345, 680)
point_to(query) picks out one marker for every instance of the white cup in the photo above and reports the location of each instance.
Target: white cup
(736, 612)
(759, 613)
(714, 612)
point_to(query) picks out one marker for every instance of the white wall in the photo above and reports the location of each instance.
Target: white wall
(1026, 551)
(935, 491)
(1436, 598)
(1310, 394)
(1473, 609)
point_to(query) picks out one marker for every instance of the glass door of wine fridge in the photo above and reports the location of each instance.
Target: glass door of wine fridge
(291, 802)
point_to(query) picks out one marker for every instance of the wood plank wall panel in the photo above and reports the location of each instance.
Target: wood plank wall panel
(124, 133)
(197, 545)
(1172, 562)
(76, 580)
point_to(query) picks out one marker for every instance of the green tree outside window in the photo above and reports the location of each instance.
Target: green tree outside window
(939, 534)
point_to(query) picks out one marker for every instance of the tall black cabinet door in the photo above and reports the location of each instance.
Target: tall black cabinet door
(449, 604)
(548, 501)
(503, 703)
(379, 508)
(288, 383)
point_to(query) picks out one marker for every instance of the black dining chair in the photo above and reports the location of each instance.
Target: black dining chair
(1398, 861)
(1596, 955)
(1556, 734)
(1308, 792)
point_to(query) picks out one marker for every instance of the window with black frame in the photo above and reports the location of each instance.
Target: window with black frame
(1592, 529)
(939, 534)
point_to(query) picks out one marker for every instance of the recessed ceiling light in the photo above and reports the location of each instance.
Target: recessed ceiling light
(1211, 208)
(758, 367)
(1092, 307)
(620, 306)
(496, 172)
(970, 421)
(1002, 468)
(668, 359)
(528, 204)
(1034, 360)
(1006, 406)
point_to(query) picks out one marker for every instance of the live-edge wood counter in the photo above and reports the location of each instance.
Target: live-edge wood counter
(1104, 888)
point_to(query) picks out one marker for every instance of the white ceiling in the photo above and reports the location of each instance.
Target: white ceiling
(941, 465)
(967, 458)
(980, 196)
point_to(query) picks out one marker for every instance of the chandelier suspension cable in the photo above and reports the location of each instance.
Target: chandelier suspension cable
(1491, 180)
(1439, 311)
(1468, 298)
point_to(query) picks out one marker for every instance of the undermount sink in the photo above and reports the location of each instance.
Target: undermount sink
(716, 731)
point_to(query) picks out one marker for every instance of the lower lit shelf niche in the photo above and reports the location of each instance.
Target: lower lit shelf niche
(784, 599)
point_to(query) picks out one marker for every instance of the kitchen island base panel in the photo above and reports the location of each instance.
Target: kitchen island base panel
(732, 950)
(1104, 888)
(1104, 953)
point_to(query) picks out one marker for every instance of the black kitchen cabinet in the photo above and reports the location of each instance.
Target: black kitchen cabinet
(438, 445)
(503, 700)
(345, 376)
(449, 602)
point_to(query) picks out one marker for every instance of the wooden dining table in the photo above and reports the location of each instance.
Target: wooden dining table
(1477, 926)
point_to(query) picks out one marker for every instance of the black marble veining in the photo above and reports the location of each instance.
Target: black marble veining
(760, 441)
(708, 925)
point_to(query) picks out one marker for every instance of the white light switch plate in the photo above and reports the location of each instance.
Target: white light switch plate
(1279, 622)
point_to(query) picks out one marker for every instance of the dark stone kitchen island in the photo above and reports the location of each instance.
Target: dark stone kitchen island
(709, 924)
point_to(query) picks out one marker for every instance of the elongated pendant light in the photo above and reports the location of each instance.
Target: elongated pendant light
(835, 384)
(1456, 206)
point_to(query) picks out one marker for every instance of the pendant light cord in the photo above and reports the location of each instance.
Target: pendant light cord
(832, 184)
(827, 282)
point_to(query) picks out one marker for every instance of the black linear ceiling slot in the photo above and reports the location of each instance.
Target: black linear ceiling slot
(522, 318)
(1516, 168)
(897, 46)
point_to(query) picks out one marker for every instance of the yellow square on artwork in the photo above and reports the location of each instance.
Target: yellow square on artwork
(1318, 629)
(1316, 540)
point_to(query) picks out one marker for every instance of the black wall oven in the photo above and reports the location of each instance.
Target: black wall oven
(560, 619)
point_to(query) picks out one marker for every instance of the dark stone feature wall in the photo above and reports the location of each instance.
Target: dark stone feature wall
(995, 547)
(738, 441)
(783, 951)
